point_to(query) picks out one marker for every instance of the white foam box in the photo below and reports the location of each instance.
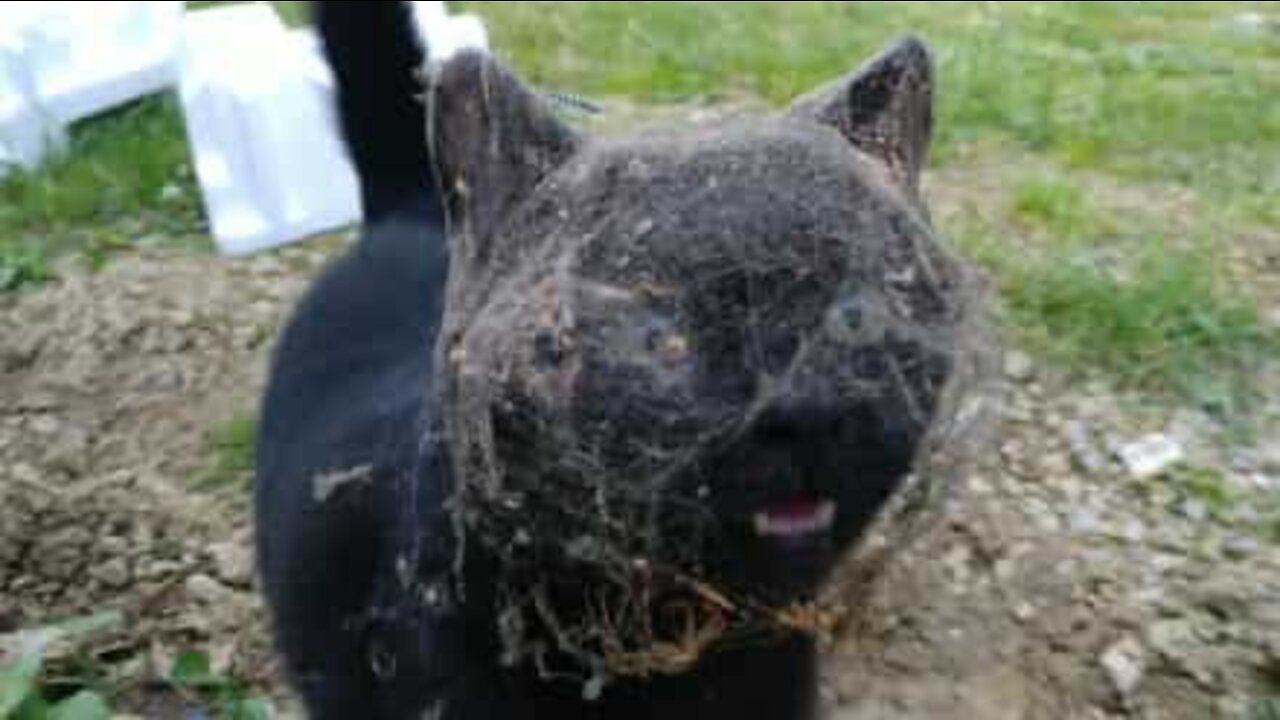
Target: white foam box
(88, 56)
(65, 61)
(258, 105)
(447, 34)
(27, 130)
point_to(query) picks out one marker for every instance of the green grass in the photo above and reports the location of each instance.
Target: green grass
(1055, 204)
(31, 690)
(35, 686)
(1165, 90)
(1099, 290)
(123, 179)
(1266, 709)
(231, 456)
(229, 699)
(1206, 486)
(1157, 320)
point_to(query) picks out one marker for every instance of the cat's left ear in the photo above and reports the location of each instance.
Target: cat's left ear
(492, 141)
(885, 109)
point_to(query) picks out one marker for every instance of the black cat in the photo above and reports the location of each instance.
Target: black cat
(769, 286)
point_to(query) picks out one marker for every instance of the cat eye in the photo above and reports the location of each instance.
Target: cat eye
(672, 347)
(850, 313)
(547, 347)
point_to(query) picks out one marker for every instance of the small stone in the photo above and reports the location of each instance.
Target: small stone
(113, 546)
(1170, 638)
(1177, 641)
(45, 425)
(1045, 522)
(24, 473)
(114, 574)
(1084, 450)
(1153, 597)
(205, 589)
(171, 193)
(1072, 488)
(267, 266)
(980, 486)
(1263, 482)
(1024, 612)
(1271, 657)
(829, 696)
(1055, 465)
(1163, 562)
(1004, 569)
(1272, 318)
(1269, 458)
(1019, 367)
(1187, 426)
(1195, 510)
(1240, 547)
(1017, 413)
(1151, 456)
(160, 569)
(1245, 515)
(182, 318)
(957, 563)
(76, 539)
(1126, 666)
(1084, 522)
(233, 564)
(68, 452)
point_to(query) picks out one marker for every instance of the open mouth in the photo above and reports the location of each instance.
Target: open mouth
(795, 519)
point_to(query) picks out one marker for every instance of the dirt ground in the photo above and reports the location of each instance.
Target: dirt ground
(1060, 586)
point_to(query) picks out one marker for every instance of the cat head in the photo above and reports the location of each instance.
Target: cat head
(710, 348)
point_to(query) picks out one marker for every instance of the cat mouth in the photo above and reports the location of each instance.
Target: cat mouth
(795, 519)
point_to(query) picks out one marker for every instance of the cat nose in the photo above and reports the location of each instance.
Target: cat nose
(794, 421)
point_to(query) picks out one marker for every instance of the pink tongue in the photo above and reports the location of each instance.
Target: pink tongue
(796, 510)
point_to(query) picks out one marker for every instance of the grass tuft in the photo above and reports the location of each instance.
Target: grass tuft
(232, 452)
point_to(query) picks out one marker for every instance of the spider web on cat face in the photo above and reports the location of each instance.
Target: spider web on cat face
(595, 562)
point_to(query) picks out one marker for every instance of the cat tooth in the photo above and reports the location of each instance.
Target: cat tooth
(763, 524)
(826, 517)
(770, 527)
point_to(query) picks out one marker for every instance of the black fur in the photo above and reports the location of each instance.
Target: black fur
(374, 53)
(346, 399)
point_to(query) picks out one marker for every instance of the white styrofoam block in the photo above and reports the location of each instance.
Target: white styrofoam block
(258, 105)
(1152, 456)
(446, 34)
(461, 32)
(27, 131)
(87, 56)
(63, 61)
(428, 13)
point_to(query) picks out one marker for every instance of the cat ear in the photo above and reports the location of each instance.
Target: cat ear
(492, 142)
(885, 108)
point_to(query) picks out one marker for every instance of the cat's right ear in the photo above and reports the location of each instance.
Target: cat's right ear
(492, 142)
(885, 109)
